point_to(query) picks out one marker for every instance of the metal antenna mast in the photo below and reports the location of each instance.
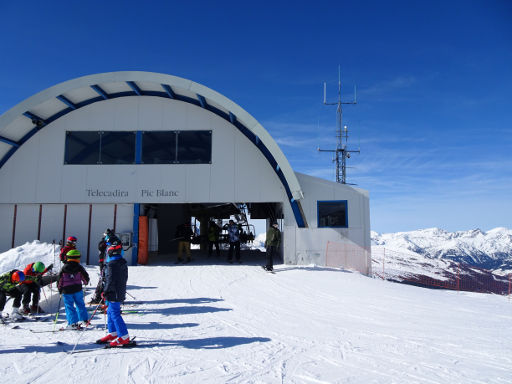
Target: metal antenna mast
(341, 153)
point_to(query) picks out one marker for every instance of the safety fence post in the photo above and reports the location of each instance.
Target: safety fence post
(327, 254)
(458, 276)
(383, 261)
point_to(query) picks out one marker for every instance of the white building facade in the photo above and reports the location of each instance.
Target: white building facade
(97, 151)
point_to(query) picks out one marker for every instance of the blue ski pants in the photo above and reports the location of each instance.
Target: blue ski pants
(70, 301)
(115, 321)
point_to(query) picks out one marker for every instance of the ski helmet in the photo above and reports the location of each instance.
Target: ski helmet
(38, 267)
(73, 255)
(71, 239)
(17, 277)
(108, 234)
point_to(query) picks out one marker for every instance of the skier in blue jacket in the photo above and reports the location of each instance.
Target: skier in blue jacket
(234, 240)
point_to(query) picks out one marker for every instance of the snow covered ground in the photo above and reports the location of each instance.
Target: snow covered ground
(221, 323)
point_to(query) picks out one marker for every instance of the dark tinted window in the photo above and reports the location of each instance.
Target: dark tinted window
(194, 147)
(332, 214)
(159, 147)
(118, 148)
(82, 148)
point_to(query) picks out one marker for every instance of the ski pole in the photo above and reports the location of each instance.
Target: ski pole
(45, 298)
(51, 281)
(57, 314)
(105, 317)
(86, 325)
(131, 296)
(94, 312)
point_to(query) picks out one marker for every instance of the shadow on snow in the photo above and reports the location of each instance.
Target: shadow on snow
(207, 343)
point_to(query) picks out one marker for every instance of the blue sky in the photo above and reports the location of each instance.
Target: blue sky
(434, 80)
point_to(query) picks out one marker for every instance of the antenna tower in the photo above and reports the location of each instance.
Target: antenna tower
(341, 153)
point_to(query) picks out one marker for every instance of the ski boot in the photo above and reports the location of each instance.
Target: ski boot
(34, 309)
(106, 339)
(16, 314)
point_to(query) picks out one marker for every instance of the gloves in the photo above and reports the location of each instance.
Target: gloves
(50, 267)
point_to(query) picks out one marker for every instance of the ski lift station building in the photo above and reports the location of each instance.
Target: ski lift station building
(124, 149)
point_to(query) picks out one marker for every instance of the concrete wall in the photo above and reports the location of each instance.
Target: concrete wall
(311, 245)
(58, 221)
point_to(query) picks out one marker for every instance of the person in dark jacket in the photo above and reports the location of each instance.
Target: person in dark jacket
(71, 277)
(114, 293)
(234, 240)
(9, 286)
(272, 242)
(213, 238)
(184, 236)
(102, 247)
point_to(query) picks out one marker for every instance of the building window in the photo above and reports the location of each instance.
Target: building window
(117, 148)
(332, 214)
(159, 147)
(82, 148)
(92, 147)
(194, 147)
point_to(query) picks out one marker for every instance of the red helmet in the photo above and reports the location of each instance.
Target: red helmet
(71, 239)
(17, 276)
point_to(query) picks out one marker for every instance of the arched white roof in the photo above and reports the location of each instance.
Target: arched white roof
(25, 119)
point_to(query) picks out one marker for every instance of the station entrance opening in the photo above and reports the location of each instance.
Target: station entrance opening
(163, 236)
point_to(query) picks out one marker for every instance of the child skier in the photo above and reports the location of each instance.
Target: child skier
(9, 287)
(71, 277)
(70, 244)
(31, 286)
(116, 276)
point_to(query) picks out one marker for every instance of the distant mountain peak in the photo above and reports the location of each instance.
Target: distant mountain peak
(489, 250)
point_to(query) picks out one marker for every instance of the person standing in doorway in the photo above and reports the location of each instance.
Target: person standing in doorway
(234, 241)
(213, 238)
(272, 243)
(184, 236)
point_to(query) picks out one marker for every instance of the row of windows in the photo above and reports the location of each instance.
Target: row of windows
(162, 147)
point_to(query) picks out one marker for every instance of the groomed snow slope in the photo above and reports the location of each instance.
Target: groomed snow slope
(239, 324)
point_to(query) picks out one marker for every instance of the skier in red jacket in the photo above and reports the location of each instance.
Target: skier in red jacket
(70, 244)
(31, 286)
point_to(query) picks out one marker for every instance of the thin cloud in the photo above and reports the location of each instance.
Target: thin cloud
(389, 86)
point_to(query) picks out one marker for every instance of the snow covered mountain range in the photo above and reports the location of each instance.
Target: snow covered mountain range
(491, 250)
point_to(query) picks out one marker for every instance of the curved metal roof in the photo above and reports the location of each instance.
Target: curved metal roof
(24, 120)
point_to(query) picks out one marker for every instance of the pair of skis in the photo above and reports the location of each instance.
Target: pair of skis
(63, 329)
(131, 344)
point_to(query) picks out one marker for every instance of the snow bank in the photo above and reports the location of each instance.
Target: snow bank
(20, 257)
